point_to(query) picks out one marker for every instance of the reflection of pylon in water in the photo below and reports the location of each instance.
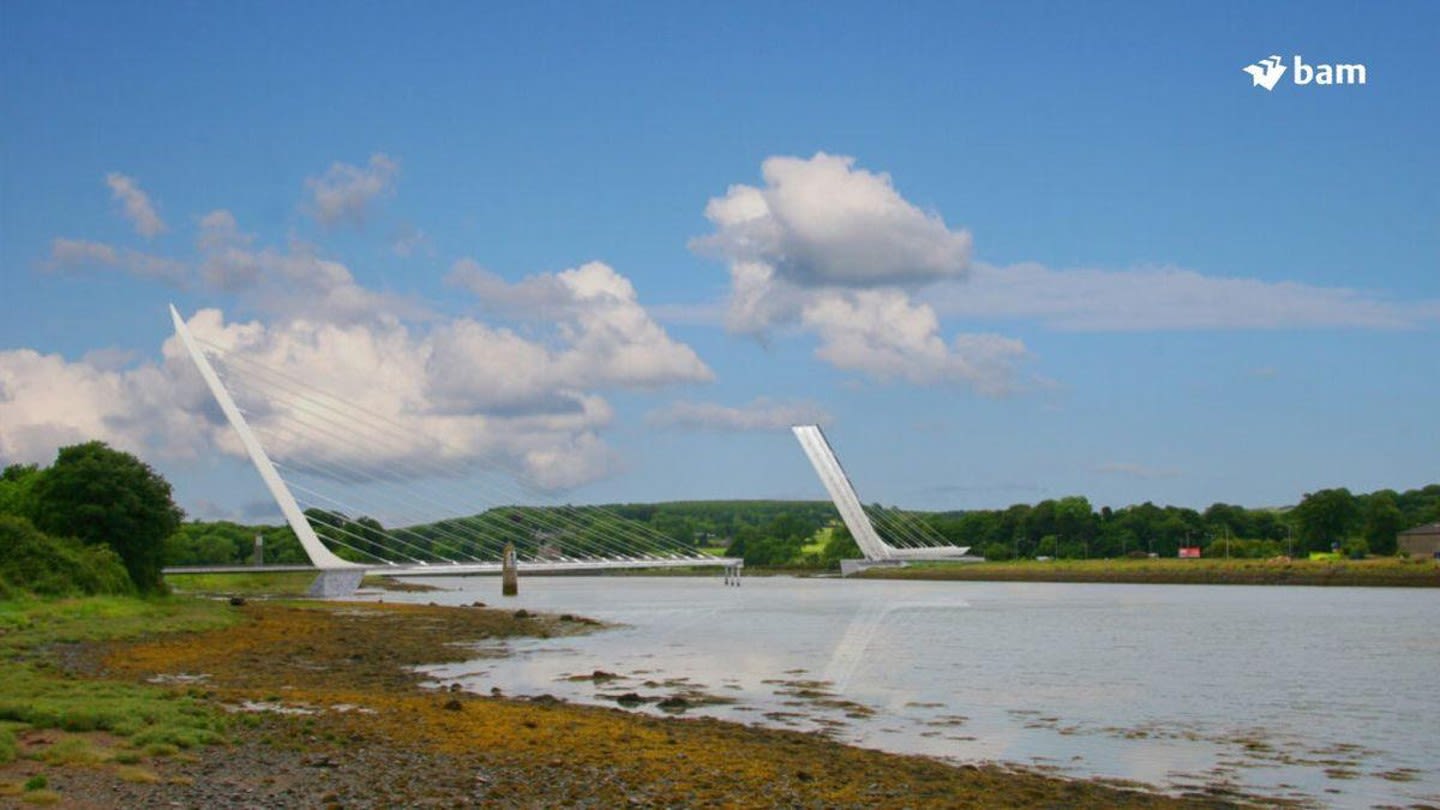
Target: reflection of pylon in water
(853, 647)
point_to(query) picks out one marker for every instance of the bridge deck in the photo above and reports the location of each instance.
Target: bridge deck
(443, 569)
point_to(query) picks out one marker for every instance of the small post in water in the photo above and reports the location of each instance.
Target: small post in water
(509, 574)
(259, 558)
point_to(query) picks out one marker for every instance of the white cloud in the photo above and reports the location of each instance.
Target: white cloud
(836, 251)
(530, 400)
(536, 296)
(47, 402)
(822, 221)
(608, 338)
(462, 391)
(344, 192)
(1169, 299)
(70, 254)
(409, 241)
(887, 336)
(761, 414)
(465, 392)
(137, 206)
(296, 282)
(76, 255)
(219, 229)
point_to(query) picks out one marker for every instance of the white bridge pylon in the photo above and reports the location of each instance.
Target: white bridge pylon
(912, 539)
(461, 539)
(320, 556)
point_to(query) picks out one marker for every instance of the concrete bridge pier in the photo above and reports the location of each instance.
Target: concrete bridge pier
(509, 573)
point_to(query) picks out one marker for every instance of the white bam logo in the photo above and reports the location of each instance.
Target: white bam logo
(1267, 72)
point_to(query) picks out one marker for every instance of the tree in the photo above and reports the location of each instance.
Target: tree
(100, 495)
(1326, 518)
(1383, 521)
(16, 483)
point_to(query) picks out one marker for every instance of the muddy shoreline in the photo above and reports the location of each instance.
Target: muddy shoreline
(326, 710)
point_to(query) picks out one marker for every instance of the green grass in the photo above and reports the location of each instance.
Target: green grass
(27, 624)
(260, 583)
(40, 796)
(37, 692)
(817, 542)
(8, 745)
(1387, 571)
(73, 751)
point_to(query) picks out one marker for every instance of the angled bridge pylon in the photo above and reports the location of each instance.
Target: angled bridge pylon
(852, 511)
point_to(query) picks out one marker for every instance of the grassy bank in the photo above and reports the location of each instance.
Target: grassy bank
(344, 722)
(274, 583)
(53, 715)
(1387, 572)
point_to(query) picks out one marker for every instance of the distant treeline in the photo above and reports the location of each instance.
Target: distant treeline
(96, 511)
(808, 533)
(1070, 528)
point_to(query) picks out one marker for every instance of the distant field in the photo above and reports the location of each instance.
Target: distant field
(1389, 572)
(271, 583)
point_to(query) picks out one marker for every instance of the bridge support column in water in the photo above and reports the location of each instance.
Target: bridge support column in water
(509, 573)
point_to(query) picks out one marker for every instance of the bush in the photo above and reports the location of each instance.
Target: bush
(33, 562)
(1356, 549)
(1244, 549)
(996, 552)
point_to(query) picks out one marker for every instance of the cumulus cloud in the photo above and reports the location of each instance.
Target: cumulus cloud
(461, 391)
(219, 229)
(1169, 298)
(79, 255)
(528, 398)
(836, 251)
(295, 282)
(343, 194)
(47, 402)
(534, 296)
(605, 339)
(761, 414)
(887, 336)
(822, 221)
(136, 205)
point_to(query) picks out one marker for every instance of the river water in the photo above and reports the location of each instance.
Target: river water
(1330, 696)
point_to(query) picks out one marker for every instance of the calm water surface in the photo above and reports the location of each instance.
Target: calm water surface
(1331, 695)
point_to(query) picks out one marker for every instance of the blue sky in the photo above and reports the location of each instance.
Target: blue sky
(1006, 251)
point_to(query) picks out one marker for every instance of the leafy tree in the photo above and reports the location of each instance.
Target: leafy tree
(1223, 518)
(1383, 520)
(1243, 549)
(101, 495)
(16, 483)
(1326, 517)
(997, 551)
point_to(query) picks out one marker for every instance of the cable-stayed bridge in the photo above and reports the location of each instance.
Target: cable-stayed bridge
(364, 493)
(342, 474)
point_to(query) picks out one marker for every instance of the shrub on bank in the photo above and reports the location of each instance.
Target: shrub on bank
(1244, 549)
(36, 563)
